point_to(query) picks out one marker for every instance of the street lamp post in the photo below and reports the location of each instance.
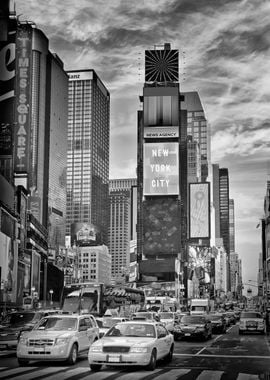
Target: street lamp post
(51, 294)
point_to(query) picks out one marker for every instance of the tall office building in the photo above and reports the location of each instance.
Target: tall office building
(232, 225)
(121, 216)
(162, 155)
(225, 215)
(33, 109)
(88, 152)
(224, 208)
(197, 128)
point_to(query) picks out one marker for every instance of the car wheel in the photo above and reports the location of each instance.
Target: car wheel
(23, 362)
(73, 355)
(153, 361)
(95, 367)
(168, 358)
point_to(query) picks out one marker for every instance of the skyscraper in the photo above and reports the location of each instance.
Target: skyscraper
(231, 225)
(88, 151)
(160, 133)
(197, 127)
(120, 226)
(33, 109)
(225, 215)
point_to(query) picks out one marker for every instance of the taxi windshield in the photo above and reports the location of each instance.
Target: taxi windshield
(132, 330)
(57, 324)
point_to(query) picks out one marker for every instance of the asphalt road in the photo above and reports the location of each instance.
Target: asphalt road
(227, 357)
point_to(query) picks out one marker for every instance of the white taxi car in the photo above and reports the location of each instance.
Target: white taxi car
(132, 343)
(57, 337)
(251, 321)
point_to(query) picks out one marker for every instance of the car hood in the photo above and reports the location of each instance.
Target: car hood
(124, 341)
(38, 334)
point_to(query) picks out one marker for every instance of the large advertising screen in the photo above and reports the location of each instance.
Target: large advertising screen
(23, 89)
(161, 169)
(199, 210)
(161, 226)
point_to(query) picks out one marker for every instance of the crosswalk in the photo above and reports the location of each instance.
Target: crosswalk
(78, 373)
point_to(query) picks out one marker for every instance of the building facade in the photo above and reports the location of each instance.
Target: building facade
(197, 128)
(94, 264)
(88, 151)
(120, 227)
(32, 109)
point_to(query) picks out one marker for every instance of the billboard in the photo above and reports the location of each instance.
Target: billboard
(161, 168)
(23, 93)
(199, 210)
(7, 91)
(84, 234)
(161, 226)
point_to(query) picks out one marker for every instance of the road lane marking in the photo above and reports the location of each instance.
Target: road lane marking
(224, 356)
(198, 353)
(247, 376)
(210, 375)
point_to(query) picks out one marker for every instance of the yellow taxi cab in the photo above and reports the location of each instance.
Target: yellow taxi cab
(132, 343)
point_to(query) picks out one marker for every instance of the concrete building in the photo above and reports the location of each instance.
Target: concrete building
(231, 225)
(94, 264)
(120, 227)
(88, 152)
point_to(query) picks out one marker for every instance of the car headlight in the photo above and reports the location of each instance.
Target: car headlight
(95, 348)
(61, 341)
(23, 341)
(139, 349)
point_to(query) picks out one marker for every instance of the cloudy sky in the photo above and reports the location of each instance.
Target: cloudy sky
(224, 50)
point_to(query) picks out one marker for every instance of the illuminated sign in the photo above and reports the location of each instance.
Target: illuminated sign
(22, 130)
(161, 132)
(199, 210)
(161, 169)
(7, 92)
(80, 75)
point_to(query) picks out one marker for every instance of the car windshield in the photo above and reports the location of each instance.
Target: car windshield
(57, 324)
(18, 319)
(166, 315)
(250, 315)
(132, 330)
(192, 319)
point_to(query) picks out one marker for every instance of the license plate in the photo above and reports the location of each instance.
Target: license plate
(114, 358)
(3, 346)
(187, 334)
(38, 350)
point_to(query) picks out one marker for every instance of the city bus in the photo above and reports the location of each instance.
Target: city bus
(96, 298)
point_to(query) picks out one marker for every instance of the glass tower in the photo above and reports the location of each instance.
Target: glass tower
(88, 151)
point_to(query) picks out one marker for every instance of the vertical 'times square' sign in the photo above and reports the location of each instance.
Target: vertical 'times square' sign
(161, 174)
